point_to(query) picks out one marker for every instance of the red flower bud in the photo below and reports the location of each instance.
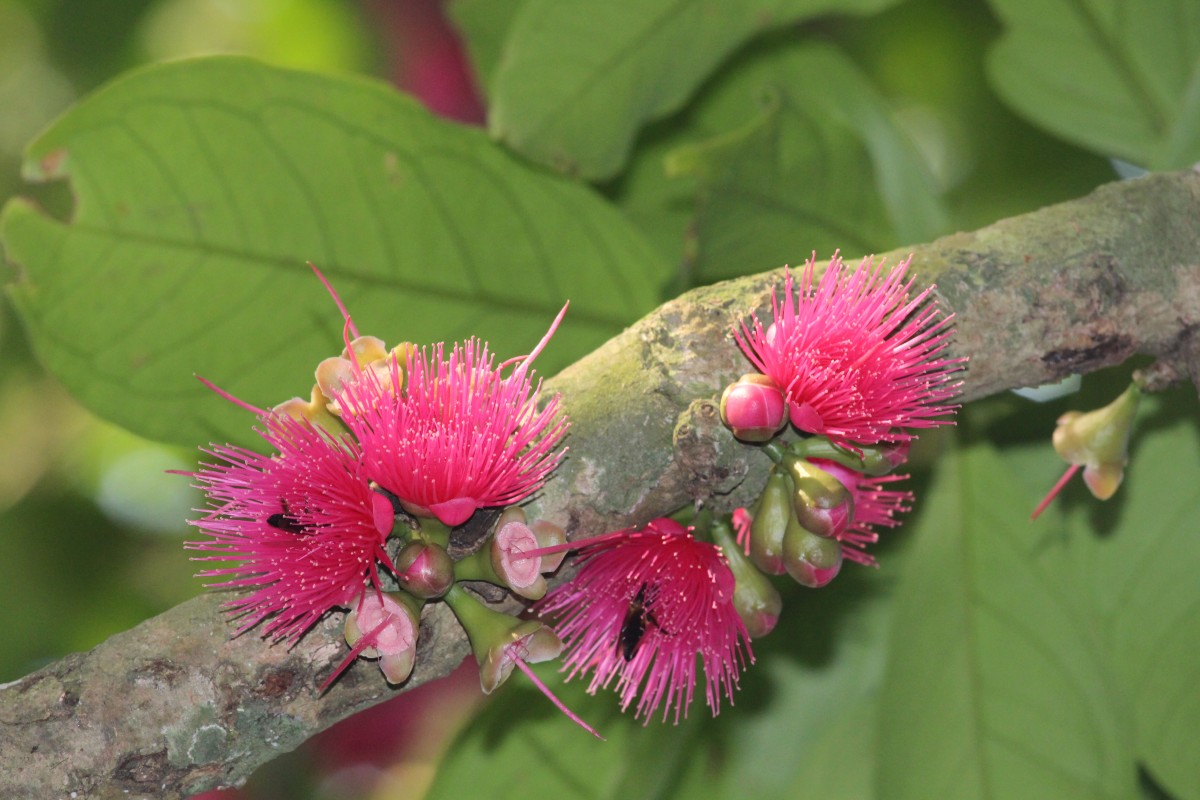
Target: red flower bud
(425, 569)
(754, 408)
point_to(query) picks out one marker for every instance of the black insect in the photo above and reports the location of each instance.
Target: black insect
(284, 521)
(634, 626)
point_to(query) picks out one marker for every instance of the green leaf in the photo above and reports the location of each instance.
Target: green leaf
(821, 166)
(1130, 564)
(1144, 581)
(484, 26)
(520, 747)
(805, 724)
(999, 683)
(662, 207)
(202, 188)
(1122, 79)
(577, 79)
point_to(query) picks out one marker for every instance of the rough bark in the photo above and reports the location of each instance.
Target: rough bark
(175, 706)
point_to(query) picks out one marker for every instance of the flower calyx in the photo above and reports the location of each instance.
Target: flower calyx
(508, 558)
(1097, 441)
(383, 626)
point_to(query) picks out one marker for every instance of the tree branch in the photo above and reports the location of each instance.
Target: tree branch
(175, 706)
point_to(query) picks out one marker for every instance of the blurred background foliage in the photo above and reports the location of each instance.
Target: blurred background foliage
(91, 526)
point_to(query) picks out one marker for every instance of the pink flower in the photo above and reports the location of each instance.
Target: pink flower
(304, 524)
(874, 506)
(859, 361)
(643, 605)
(453, 434)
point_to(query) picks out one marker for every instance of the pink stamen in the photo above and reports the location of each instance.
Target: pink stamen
(338, 300)
(559, 704)
(568, 546)
(528, 360)
(235, 400)
(1071, 470)
(742, 520)
(366, 641)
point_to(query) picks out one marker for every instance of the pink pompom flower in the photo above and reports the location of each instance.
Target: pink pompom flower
(304, 526)
(859, 361)
(642, 607)
(452, 433)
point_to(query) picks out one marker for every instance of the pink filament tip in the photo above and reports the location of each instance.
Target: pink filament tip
(366, 641)
(336, 299)
(1071, 470)
(559, 704)
(235, 400)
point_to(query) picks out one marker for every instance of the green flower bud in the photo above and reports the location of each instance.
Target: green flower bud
(823, 504)
(755, 598)
(811, 560)
(770, 517)
(873, 460)
(1099, 440)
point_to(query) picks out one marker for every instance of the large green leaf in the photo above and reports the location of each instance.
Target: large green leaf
(999, 683)
(521, 747)
(820, 165)
(1129, 565)
(202, 188)
(1120, 78)
(577, 79)
(484, 26)
(806, 725)
(1147, 591)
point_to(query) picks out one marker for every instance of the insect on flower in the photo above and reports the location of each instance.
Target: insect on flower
(634, 626)
(284, 521)
(646, 607)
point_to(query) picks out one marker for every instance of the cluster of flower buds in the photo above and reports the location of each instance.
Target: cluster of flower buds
(357, 505)
(849, 368)
(814, 512)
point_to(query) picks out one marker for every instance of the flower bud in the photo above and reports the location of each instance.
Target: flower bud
(424, 569)
(770, 519)
(823, 504)
(755, 599)
(1099, 440)
(872, 460)
(883, 458)
(391, 622)
(811, 560)
(754, 408)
